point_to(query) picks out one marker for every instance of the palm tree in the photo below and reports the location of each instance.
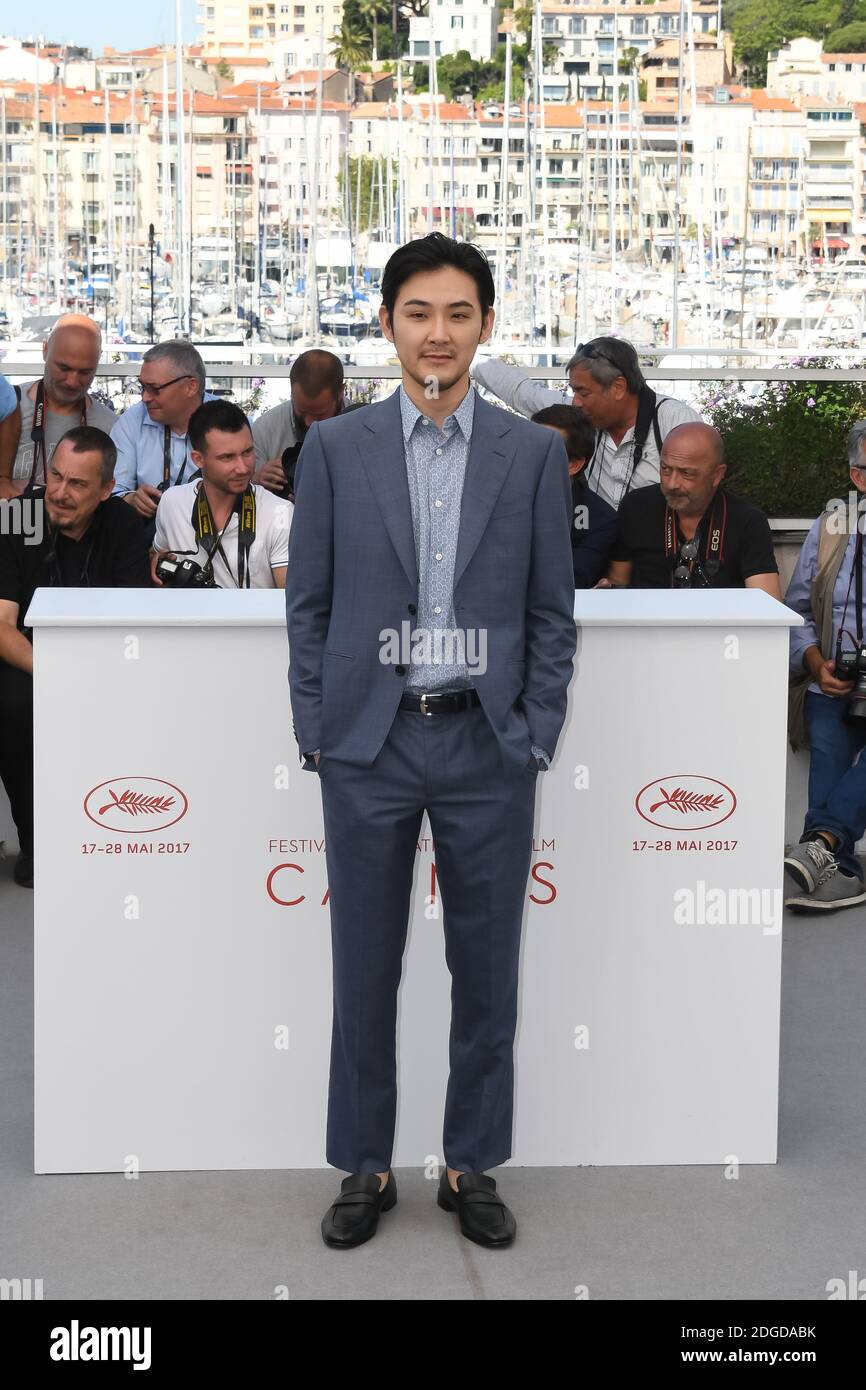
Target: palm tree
(372, 9)
(351, 48)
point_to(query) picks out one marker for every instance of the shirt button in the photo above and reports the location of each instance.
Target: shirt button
(439, 451)
(438, 554)
(438, 503)
(437, 609)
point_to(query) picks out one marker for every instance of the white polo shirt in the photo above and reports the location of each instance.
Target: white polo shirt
(269, 550)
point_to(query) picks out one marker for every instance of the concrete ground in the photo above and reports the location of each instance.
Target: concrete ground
(622, 1233)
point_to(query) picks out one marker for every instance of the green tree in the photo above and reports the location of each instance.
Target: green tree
(628, 60)
(223, 70)
(761, 25)
(371, 10)
(850, 39)
(362, 218)
(351, 48)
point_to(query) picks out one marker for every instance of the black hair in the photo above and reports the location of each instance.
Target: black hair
(87, 439)
(431, 252)
(579, 433)
(317, 370)
(215, 415)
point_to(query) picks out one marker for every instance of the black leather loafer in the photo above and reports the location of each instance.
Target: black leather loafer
(483, 1215)
(354, 1216)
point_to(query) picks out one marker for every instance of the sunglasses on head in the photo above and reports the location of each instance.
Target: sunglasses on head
(590, 350)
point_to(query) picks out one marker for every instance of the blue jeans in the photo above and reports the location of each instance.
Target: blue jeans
(837, 784)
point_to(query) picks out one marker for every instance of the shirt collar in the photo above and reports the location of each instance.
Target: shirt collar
(464, 414)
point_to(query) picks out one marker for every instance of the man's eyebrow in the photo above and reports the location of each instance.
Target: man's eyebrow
(457, 304)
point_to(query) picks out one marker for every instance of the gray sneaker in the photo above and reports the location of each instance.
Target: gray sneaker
(810, 864)
(836, 889)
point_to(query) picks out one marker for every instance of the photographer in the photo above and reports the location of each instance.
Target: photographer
(593, 521)
(317, 386)
(828, 668)
(227, 531)
(686, 532)
(152, 437)
(90, 540)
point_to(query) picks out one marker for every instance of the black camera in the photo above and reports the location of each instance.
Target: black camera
(289, 460)
(851, 666)
(185, 574)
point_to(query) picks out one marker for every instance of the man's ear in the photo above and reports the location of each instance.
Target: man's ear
(487, 325)
(45, 351)
(858, 478)
(196, 457)
(385, 323)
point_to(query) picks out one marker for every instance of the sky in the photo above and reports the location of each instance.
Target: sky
(93, 23)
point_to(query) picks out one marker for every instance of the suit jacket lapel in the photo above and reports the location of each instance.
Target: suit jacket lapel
(384, 460)
(491, 454)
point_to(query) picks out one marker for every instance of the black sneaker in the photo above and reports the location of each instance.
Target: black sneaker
(23, 871)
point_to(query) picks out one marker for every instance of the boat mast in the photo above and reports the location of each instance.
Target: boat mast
(183, 303)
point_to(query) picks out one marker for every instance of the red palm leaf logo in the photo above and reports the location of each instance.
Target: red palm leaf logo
(685, 800)
(136, 805)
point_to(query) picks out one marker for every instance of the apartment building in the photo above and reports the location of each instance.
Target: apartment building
(455, 25)
(249, 28)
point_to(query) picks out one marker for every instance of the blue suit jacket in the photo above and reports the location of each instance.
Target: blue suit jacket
(352, 573)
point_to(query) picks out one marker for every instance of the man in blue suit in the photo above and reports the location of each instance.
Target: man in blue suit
(429, 601)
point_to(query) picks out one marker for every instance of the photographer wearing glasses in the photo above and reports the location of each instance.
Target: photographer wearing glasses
(83, 538)
(153, 444)
(686, 532)
(56, 403)
(827, 706)
(630, 419)
(317, 387)
(223, 531)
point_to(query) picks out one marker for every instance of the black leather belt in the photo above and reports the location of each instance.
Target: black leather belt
(440, 704)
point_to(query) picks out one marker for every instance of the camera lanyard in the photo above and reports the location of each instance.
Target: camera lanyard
(204, 528)
(37, 433)
(166, 458)
(857, 575)
(710, 532)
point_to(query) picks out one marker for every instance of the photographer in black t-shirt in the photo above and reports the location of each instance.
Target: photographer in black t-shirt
(686, 531)
(77, 535)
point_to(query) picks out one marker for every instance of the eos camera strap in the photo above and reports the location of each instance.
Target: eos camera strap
(37, 433)
(210, 539)
(710, 533)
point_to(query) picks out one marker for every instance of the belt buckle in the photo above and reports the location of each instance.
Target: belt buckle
(424, 709)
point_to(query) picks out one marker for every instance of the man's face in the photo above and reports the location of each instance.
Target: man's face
(574, 465)
(437, 326)
(177, 400)
(308, 409)
(228, 460)
(74, 487)
(71, 358)
(603, 404)
(688, 474)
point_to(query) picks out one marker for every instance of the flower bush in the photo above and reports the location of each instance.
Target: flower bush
(786, 442)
